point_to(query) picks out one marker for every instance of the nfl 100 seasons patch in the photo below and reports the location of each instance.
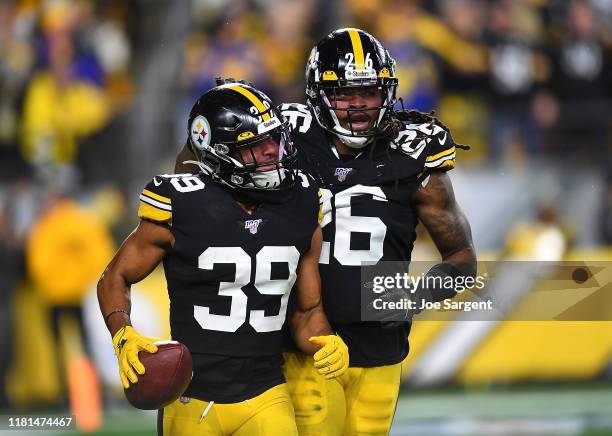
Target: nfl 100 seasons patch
(253, 225)
(342, 173)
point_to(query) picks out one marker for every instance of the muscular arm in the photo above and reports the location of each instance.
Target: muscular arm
(309, 318)
(139, 254)
(446, 223)
(185, 154)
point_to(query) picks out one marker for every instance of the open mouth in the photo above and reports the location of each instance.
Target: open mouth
(359, 121)
(266, 166)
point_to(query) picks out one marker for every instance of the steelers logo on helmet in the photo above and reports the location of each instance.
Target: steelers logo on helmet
(200, 132)
(242, 141)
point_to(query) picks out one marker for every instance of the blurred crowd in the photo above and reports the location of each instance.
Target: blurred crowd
(94, 96)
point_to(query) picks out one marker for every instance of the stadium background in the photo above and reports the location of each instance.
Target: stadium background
(93, 102)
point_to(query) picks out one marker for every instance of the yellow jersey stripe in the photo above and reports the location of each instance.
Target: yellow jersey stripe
(152, 213)
(357, 49)
(157, 204)
(441, 154)
(449, 164)
(446, 165)
(157, 197)
(253, 99)
(320, 214)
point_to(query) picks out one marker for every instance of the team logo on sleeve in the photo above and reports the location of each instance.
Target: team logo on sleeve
(342, 173)
(200, 132)
(252, 225)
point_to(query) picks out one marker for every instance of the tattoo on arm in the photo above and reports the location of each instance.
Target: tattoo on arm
(444, 219)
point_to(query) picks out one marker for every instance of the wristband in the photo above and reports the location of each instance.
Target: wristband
(112, 312)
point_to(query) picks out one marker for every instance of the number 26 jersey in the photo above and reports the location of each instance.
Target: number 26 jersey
(368, 213)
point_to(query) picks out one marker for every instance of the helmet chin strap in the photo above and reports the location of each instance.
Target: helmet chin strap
(270, 179)
(203, 167)
(344, 135)
(354, 142)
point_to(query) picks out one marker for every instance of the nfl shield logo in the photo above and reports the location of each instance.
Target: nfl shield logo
(252, 225)
(341, 173)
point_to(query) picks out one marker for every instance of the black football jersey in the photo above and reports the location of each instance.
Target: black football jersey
(368, 216)
(229, 273)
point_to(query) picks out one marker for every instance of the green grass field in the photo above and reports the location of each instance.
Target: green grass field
(567, 410)
(541, 410)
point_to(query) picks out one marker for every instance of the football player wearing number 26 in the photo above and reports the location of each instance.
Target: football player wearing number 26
(380, 172)
(234, 239)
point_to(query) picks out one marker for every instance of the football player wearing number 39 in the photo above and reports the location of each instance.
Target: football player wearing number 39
(234, 238)
(380, 172)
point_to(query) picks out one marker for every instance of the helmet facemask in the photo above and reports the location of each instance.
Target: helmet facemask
(266, 162)
(343, 118)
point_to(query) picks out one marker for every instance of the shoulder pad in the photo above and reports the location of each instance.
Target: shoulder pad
(305, 179)
(299, 116)
(156, 197)
(425, 134)
(156, 201)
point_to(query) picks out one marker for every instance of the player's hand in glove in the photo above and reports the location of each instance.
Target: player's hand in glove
(332, 359)
(128, 343)
(391, 319)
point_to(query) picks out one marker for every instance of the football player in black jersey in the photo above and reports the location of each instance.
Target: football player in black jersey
(380, 172)
(234, 239)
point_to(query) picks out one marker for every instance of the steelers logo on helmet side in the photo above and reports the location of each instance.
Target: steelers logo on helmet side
(200, 132)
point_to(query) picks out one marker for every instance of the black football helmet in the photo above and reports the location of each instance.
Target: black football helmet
(242, 140)
(350, 58)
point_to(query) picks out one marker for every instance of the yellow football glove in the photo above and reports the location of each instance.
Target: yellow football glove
(128, 343)
(332, 359)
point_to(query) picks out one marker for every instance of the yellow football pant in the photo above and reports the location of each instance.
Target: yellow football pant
(360, 402)
(270, 413)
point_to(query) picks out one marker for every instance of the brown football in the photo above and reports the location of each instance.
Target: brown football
(167, 375)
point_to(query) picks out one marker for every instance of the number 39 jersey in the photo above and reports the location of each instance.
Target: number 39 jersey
(229, 273)
(368, 215)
